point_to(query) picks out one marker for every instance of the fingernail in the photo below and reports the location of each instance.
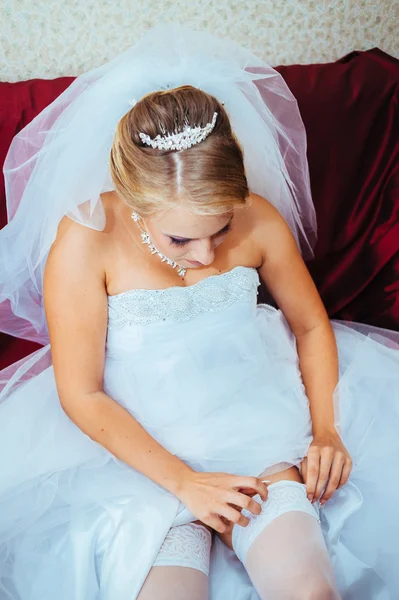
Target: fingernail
(310, 497)
(322, 502)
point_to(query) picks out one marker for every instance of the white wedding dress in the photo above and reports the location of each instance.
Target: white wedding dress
(213, 377)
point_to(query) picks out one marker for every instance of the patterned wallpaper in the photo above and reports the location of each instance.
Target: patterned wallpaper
(50, 38)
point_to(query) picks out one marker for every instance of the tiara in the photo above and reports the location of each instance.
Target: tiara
(181, 140)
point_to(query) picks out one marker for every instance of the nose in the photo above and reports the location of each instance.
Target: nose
(204, 252)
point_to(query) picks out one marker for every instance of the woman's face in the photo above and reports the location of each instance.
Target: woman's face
(189, 239)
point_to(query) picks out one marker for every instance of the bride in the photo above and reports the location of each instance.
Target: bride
(174, 439)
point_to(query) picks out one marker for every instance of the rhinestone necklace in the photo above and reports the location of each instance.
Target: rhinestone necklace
(147, 240)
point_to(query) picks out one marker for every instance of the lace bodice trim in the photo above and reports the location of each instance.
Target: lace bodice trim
(214, 293)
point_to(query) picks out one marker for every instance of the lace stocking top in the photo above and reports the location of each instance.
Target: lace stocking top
(214, 293)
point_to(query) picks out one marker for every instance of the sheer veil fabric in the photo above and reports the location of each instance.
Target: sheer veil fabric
(58, 163)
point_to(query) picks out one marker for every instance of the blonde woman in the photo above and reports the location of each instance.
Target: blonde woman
(183, 441)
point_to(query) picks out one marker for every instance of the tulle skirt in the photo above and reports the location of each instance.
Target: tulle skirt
(75, 522)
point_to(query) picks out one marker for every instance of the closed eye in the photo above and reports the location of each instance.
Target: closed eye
(177, 242)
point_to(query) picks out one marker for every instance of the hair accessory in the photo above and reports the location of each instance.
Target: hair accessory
(51, 170)
(181, 140)
(147, 240)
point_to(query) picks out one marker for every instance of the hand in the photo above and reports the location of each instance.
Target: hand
(327, 461)
(216, 499)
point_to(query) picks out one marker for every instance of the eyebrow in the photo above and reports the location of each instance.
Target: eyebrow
(193, 239)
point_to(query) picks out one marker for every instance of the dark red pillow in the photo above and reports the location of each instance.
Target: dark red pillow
(19, 103)
(350, 111)
(349, 108)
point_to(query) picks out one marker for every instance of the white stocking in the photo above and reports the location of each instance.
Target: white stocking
(174, 583)
(181, 569)
(283, 549)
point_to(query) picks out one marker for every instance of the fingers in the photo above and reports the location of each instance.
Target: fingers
(346, 471)
(335, 477)
(243, 501)
(304, 469)
(217, 524)
(247, 491)
(234, 501)
(224, 520)
(340, 471)
(326, 461)
(233, 515)
(312, 472)
(254, 483)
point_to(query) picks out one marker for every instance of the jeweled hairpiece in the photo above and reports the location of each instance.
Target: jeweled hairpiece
(181, 140)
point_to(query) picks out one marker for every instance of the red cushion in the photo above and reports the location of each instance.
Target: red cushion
(19, 103)
(350, 113)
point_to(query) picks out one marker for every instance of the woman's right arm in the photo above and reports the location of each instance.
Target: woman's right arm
(75, 300)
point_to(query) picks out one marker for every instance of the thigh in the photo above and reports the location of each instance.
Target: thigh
(289, 559)
(290, 474)
(181, 566)
(174, 583)
(283, 548)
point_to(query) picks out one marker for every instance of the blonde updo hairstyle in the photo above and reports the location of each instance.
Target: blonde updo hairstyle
(209, 177)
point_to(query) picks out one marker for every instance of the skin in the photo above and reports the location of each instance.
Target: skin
(96, 264)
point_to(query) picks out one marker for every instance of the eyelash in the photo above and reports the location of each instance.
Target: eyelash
(176, 242)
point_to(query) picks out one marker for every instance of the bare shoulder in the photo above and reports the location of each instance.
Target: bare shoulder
(262, 212)
(78, 252)
(75, 246)
(268, 229)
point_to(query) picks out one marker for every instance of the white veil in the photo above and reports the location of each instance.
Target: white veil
(60, 160)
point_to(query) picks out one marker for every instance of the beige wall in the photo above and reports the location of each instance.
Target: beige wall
(49, 38)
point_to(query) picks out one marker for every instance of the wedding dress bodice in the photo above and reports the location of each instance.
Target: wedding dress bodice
(182, 303)
(183, 359)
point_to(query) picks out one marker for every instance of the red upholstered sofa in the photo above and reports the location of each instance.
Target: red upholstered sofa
(350, 110)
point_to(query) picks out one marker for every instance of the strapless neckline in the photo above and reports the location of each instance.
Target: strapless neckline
(174, 287)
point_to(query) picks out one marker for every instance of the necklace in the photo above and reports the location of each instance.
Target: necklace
(147, 240)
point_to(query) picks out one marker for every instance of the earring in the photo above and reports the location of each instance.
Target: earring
(135, 216)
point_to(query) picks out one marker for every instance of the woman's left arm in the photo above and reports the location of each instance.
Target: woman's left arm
(284, 272)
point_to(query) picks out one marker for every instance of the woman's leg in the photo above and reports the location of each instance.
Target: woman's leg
(289, 560)
(283, 548)
(181, 568)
